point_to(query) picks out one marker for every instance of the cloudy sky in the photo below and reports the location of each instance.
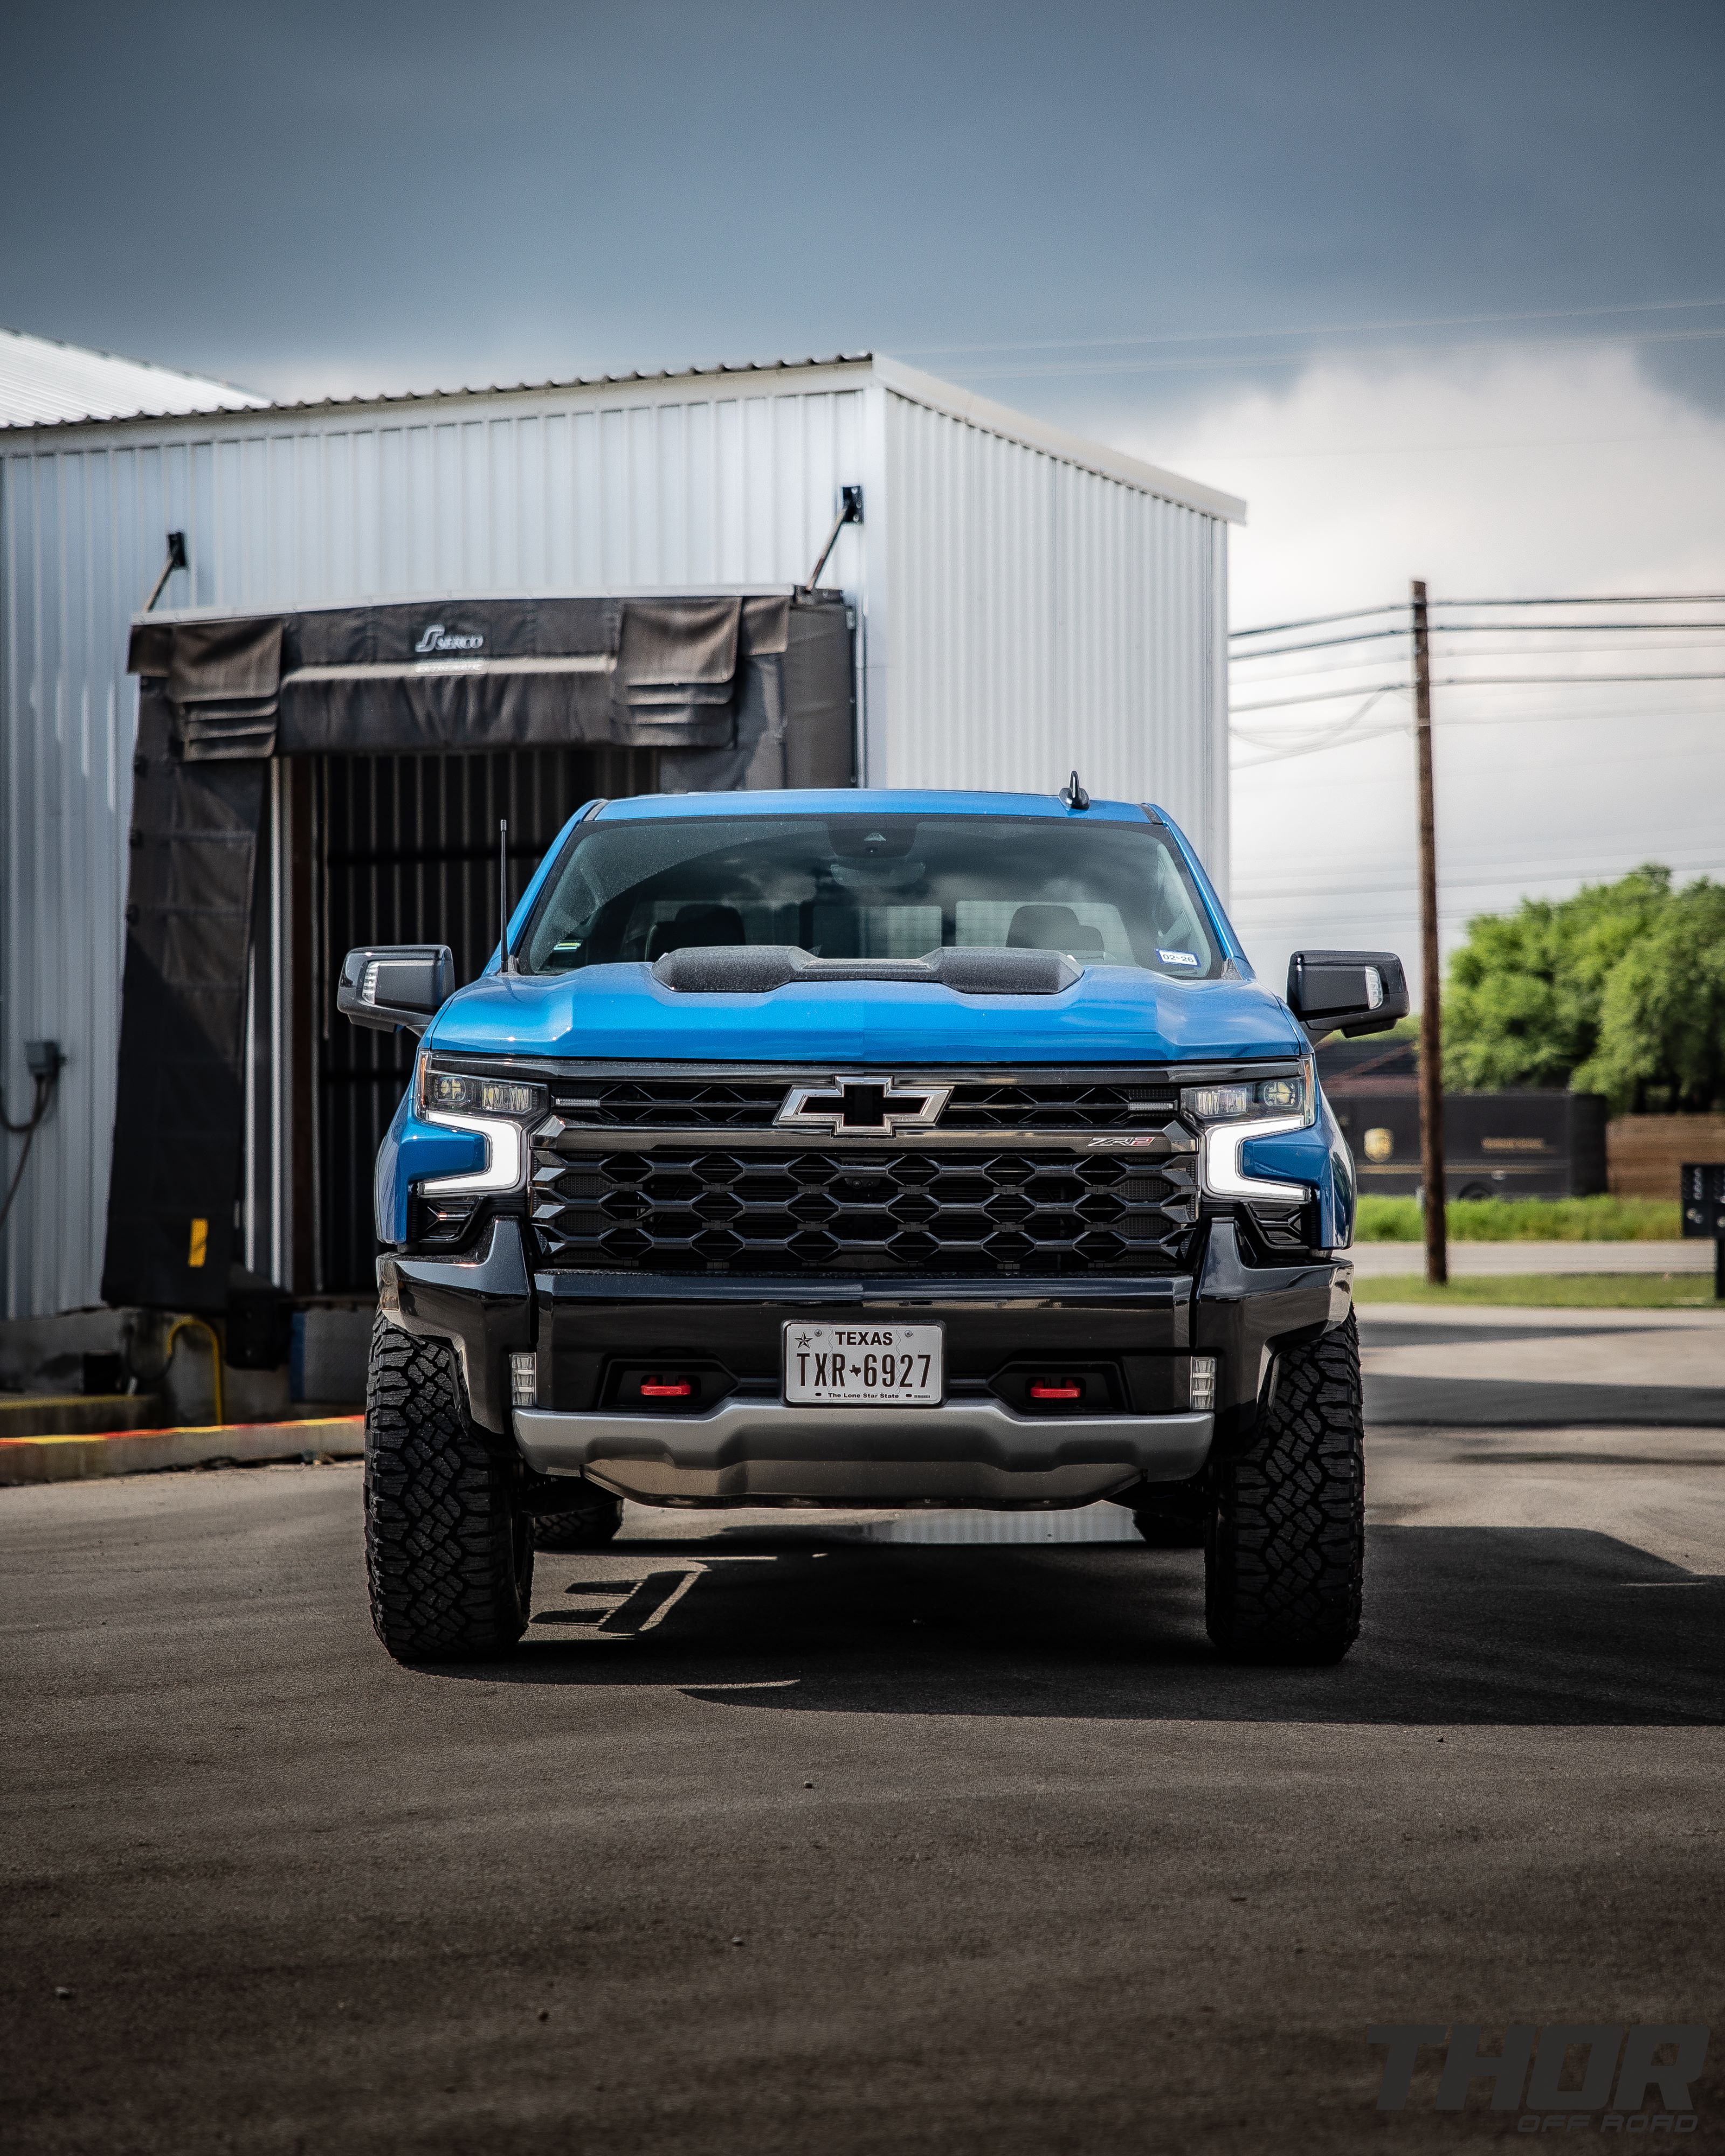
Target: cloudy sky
(1440, 289)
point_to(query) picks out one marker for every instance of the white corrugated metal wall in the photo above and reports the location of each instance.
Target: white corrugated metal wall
(1020, 610)
(714, 480)
(1041, 615)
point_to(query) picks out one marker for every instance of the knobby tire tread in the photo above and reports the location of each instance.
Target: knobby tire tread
(448, 1556)
(1285, 1559)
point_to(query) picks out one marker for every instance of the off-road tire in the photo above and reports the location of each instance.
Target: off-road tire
(585, 1526)
(449, 1551)
(1285, 1555)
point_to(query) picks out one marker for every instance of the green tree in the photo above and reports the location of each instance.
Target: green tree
(1661, 1028)
(1525, 999)
(1619, 990)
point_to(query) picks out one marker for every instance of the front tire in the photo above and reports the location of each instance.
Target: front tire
(1285, 1558)
(449, 1551)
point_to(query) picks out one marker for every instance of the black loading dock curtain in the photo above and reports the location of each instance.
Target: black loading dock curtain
(732, 690)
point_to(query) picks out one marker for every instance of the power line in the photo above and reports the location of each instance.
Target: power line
(1560, 680)
(1623, 599)
(1322, 620)
(1477, 628)
(1317, 696)
(1322, 329)
(1342, 736)
(1258, 360)
(1401, 606)
(1322, 644)
(1699, 858)
(1478, 681)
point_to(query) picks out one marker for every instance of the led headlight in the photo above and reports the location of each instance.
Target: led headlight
(456, 1092)
(1258, 1096)
(489, 1108)
(1234, 1113)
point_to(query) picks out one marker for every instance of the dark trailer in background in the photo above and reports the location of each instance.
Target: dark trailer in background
(1530, 1144)
(309, 781)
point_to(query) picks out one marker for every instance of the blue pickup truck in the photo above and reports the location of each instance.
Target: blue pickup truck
(866, 1149)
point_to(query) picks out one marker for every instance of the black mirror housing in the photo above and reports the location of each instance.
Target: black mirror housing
(1349, 992)
(387, 985)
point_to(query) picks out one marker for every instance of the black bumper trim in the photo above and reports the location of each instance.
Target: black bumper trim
(483, 1305)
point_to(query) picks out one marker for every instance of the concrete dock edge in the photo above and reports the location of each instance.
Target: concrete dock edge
(48, 1459)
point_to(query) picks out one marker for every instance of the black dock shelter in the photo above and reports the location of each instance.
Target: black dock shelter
(307, 781)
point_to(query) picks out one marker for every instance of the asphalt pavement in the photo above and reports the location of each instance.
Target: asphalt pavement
(802, 1832)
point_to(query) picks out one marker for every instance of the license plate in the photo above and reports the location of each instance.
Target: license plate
(863, 1366)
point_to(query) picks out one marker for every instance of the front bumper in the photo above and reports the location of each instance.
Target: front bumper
(750, 1448)
(963, 1452)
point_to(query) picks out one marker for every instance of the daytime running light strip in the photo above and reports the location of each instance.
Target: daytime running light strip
(1222, 1175)
(505, 1155)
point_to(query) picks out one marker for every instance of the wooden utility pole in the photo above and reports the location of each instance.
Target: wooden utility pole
(1431, 1026)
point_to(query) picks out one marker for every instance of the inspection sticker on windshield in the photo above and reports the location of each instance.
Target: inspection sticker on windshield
(1178, 957)
(863, 1366)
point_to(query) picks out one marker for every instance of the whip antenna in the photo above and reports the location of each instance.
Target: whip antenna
(503, 891)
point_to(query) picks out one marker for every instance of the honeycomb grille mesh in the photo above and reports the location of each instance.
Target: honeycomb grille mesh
(674, 1103)
(695, 1209)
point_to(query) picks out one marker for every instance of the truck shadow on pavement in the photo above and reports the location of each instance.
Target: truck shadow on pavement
(1482, 1625)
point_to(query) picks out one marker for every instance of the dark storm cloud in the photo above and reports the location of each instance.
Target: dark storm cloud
(442, 192)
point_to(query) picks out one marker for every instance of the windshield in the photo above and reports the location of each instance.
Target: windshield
(872, 887)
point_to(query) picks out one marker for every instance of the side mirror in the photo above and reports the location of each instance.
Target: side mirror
(391, 984)
(1349, 992)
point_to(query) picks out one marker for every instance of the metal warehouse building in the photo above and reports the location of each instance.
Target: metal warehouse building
(1012, 603)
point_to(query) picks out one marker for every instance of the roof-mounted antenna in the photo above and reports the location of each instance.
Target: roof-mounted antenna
(508, 964)
(1073, 793)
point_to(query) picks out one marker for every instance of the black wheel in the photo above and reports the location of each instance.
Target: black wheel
(583, 1526)
(1286, 1552)
(449, 1551)
(1164, 1530)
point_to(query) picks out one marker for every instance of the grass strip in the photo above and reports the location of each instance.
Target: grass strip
(1525, 1220)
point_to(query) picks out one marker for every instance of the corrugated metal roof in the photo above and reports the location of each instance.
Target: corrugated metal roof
(45, 383)
(233, 399)
(905, 381)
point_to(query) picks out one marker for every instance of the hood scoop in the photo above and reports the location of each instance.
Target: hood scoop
(745, 969)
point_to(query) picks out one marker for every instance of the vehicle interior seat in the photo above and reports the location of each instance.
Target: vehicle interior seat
(1052, 928)
(695, 927)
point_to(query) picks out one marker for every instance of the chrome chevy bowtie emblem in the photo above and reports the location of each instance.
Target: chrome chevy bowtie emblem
(877, 1107)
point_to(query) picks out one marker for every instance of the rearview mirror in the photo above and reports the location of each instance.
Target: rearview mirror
(390, 984)
(1349, 992)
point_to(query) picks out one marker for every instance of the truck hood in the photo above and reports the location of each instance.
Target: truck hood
(620, 1013)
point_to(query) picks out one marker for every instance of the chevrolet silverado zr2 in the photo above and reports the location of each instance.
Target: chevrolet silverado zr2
(866, 1149)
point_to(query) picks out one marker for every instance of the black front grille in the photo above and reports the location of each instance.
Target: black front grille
(843, 1210)
(672, 1103)
(1049, 1105)
(675, 1104)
